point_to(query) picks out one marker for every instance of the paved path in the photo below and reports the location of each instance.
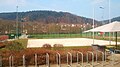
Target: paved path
(66, 42)
(106, 64)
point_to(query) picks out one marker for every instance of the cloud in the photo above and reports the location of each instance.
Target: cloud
(12, 2)
(97, 1)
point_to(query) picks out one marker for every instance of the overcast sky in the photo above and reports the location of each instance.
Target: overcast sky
(78, 7)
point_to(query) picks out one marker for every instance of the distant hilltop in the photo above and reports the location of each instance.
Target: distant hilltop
(46, 17)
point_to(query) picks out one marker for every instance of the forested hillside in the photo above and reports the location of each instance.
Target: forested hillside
(40, 22)
(45, 17)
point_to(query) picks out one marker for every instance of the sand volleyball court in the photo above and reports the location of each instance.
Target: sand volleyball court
(66, 42)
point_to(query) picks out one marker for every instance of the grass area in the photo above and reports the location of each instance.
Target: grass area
(42, 36)
(81, 35)
(23, 42)
(16, 45)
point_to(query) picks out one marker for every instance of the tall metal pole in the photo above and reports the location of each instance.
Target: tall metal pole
(17, 31)
(102, 12)
(109, 22)
(102, 16)
(93, 23)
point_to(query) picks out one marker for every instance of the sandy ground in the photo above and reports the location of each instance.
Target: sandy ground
(66, 42)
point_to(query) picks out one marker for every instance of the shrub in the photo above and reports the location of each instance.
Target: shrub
(4, 37)
(46, 46)
(57, 45)
(2, 45)
(14, 46)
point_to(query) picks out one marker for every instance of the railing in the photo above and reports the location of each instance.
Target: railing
(69, 64)
(78, 63)
(58, 59)
(87, 57)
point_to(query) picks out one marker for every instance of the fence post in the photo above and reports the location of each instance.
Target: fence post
(81, 58)
(24, 61)
(69, 54)
(89, 52)
(35, 60)
(58, 59)
(47, 60)
(0, 60)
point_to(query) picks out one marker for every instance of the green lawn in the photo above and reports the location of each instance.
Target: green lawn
(23, 42)
(81, 35)
(42, 36)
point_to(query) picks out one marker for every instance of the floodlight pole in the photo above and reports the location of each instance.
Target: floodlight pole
(93, 23)
(102, 15)
(102, 12)
(17, 31)
(109, 22)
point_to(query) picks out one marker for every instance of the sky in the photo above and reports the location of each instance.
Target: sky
(78, 7)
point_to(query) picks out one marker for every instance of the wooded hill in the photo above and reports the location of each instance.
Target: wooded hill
(35, 22)
(46, 17)
(112, 20)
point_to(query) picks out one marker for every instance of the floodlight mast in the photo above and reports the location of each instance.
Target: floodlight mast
(93, 23)
(17, 30)
(109, 21)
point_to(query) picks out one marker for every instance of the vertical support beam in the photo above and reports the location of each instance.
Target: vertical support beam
(116, 39)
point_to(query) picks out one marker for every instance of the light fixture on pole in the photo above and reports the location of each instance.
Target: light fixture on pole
(102, 12)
